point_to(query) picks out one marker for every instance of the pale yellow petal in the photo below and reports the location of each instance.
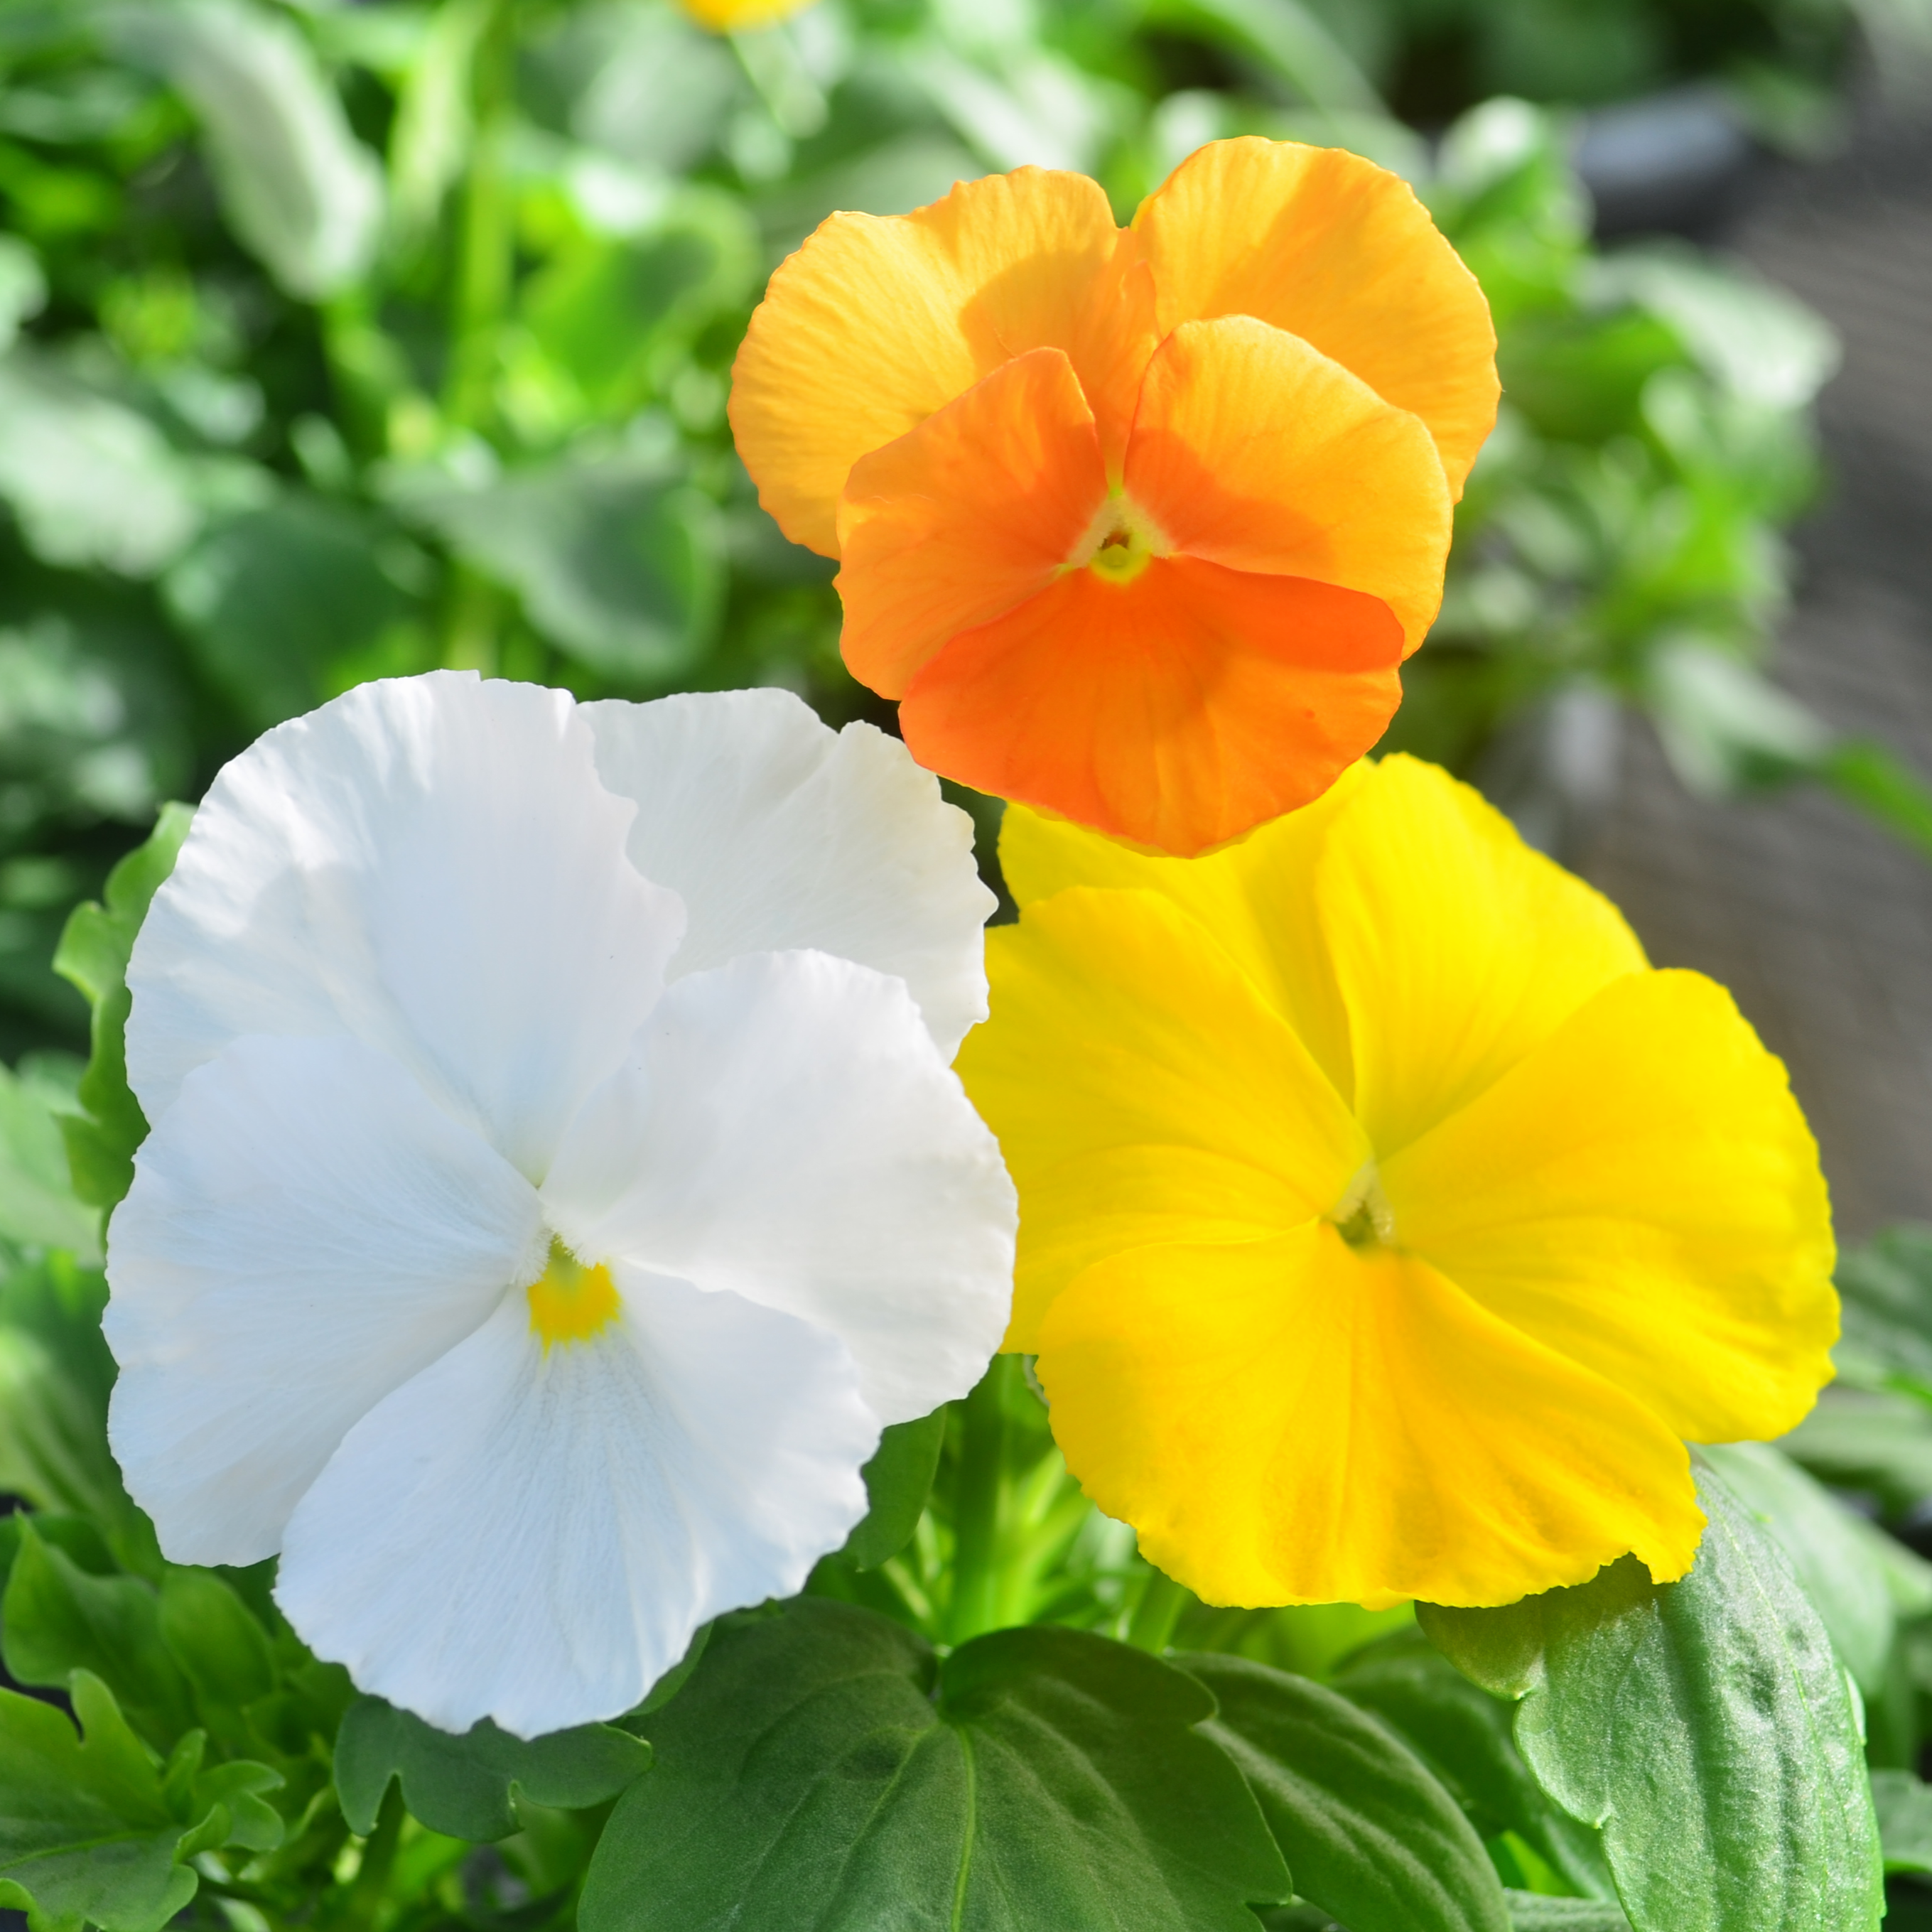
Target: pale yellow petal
(1141, 1090)
(1642, 1193)
(1457, 949)
(1256, 897)
(1289, 1421)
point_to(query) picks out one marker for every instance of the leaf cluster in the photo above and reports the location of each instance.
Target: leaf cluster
(339, 342)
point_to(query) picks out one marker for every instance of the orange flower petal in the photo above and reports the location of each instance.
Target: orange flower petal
(1253, 450)
(961, 519)
(876, 323)
(1285, 1421)
(1178, 710)
(1338, 251)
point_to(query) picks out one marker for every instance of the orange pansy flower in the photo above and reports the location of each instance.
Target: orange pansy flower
(1136, 523)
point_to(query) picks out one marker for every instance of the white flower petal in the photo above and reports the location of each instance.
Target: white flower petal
(430, 864)
(785, 1127)
(779, 832)
(535, 1536)
(305, 1232)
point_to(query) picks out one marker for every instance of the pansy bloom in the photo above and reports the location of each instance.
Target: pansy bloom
(1136, 523)
(1387, 1223)
(556, 1176)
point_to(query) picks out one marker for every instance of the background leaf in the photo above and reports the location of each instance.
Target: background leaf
(273, 600)
(899, 1479)
(1464, 1735)
(55, 1619)
(1369, 1834)
(1705, 1725)
(820, 1771)
(614, 556)
(464, 1787)
(297, 187)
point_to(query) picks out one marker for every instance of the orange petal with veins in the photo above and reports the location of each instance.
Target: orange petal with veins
(1179, 710)
(878, 321)
(974, 512)
(1338, 251)
(1253, 450)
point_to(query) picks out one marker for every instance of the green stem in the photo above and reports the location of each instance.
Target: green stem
(486, 256)
(978, 1494)
(472, 611)
(365, 1900)
(1157, 1613)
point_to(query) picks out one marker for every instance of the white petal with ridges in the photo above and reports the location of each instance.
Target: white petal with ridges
(430, 864)
(779, 832)
(785, 1127)
(305, 1232)
(535, 1536)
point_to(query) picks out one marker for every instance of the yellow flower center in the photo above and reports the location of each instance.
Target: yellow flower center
(1364, 1214)
(569, 1302)
(1120, 543)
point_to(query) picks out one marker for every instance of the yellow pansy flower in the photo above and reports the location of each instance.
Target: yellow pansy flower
(1387, 1224)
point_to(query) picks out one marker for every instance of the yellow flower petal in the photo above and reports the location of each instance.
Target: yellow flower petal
(1142, 1091)
(1285, 1421)
(876, 322)
(1457, 948)
(1642, 1193)
(1256, 897)
(1338, 251)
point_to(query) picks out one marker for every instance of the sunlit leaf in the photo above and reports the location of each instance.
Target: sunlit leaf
(93, 956)
(298, 189)
(1705, 1725)
(90, 481)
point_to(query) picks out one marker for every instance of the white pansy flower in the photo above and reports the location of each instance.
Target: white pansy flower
(557, 1178)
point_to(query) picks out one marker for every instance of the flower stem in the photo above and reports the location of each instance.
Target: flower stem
(366, 1894)
(978, 1494)
(1157, 1613)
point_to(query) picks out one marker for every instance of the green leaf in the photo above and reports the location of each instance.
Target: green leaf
(1904, 1804)
(86, 1833)
(273, 599)
(37, 1205)
(53, 1446)
(465, 1787)
(298, 188)
(821, 1770)
(1705, 1725)
(614, 312)
(1885, 1288)
(55, 1619)
(899, 1479)
(93, 955)
(1858, 1439)
(215, 1639)
(1531, 1913)
(92, 481)
(617, 560)
(1463, 1735)
(1853, 1573)
(1369, 1833)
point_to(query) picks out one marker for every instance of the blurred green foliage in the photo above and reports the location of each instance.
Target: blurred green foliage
(339, 340)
